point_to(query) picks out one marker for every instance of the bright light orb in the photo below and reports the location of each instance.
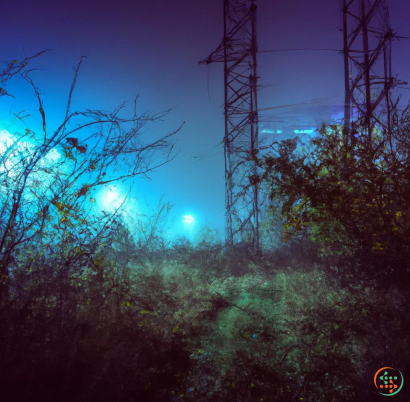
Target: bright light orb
(188, 219)
(110, 195)
(110, 198)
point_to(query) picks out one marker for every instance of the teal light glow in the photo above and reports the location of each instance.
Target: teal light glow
(110, 198)
(303, 131)
(266, 131)
(15, 154)
(189, 219)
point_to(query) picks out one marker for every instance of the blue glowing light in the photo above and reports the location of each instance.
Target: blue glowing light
(271, 131)
(188, 219)
(110, 198)
(303, 131)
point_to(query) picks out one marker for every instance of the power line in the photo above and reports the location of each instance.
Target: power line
(313, 102)
(297, 49)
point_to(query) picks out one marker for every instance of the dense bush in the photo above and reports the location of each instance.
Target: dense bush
(352, 199)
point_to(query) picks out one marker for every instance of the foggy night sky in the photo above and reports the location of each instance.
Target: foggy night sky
(152, 49)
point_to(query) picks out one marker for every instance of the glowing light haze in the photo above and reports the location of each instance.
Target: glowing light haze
(151, 49)
(109, 198)
(189, 219)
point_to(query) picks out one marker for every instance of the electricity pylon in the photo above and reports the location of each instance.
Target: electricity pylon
(238, 54)
(367, 40)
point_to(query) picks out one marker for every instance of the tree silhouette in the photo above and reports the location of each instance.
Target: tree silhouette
(44, 197)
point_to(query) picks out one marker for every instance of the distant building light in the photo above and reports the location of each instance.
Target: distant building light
(279, 131)
(303, 131)
(267, 132)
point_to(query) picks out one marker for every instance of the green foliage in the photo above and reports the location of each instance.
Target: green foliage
(352, 199)
(88, 314)
(169, 325)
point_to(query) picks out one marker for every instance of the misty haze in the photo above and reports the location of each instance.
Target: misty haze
(204, 201)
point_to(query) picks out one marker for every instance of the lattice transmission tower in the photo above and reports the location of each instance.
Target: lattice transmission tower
(367, 50)
(238, 52)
